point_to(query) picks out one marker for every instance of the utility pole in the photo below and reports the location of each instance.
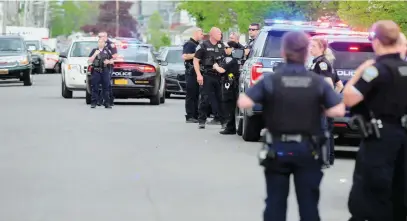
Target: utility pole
(46, 6)
(3, 17)
(117, 18)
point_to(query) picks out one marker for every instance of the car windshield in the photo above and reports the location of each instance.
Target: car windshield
(33, 45)
(135, 53)
(174, 56)
(350, 55)
(11, 44)
(83, 48)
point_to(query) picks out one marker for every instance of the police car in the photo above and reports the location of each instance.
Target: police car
(264, 57)
(74, 65)
(350, 51)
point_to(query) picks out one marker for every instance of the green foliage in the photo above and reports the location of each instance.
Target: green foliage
(225, 14)
(69, 16)
(362, 14)
(157, 37)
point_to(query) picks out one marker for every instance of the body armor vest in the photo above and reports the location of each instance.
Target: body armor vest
(213, 53)
(294, 105)
(391, 101)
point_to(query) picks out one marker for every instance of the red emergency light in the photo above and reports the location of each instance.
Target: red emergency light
(353, 48)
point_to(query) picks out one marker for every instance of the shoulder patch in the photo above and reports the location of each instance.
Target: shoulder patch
(370, 73)
(323, 66)
(228, 60)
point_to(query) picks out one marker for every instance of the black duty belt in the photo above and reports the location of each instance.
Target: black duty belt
(291, 138)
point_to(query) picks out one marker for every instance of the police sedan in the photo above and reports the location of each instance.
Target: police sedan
(136, 74)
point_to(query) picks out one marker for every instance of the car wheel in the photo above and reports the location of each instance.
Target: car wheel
(155, 100)
(251, 128)
(66, 93)
(162, 99)
(167, 95)
(57, 68)
(28, 78)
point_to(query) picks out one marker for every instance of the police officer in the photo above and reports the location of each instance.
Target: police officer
(192, 86)
(292, 143)
(229, 68)
(208, 53)
(376, 94)
(322, 65)
(100, 58)
(234, 36)
(254, 30)
(111, 48)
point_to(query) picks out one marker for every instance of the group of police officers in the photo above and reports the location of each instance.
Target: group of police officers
(302, 144)
(212, 74)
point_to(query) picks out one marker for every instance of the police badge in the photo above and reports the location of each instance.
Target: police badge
(219, 46)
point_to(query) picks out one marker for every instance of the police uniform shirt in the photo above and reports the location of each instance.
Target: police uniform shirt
(375, 81)
(323, 67)
(103, 53)
(230, 65)
(257, 93)
(206, 48)
(190, 48)
(111, 47)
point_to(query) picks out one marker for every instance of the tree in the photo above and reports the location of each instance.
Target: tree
(107, 20)
(362, 14)
(157, 37)
(69, 16)
(226, 14)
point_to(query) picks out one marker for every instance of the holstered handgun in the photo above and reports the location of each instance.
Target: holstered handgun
(266, 154)
(321, 149)
(367, 128)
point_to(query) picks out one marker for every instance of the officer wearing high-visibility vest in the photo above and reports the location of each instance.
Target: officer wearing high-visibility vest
(293, 143)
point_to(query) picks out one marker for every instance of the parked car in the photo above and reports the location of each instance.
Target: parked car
(173, 70)
(15, 60)
(49, 57)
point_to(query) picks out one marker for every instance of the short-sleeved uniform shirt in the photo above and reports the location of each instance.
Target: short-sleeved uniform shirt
(189, 48)
(257, 93)
(375, 80)
(206, 47)
(321, 66)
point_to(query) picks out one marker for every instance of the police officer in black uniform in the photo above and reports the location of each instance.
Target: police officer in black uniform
(322, 65)
(206, 55)
(192, 86)
(377, 95)
(111, 47)
(292, 145)
(100, 58)
(229, 68)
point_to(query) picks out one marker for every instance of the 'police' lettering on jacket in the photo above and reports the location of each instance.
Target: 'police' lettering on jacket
(296, 81)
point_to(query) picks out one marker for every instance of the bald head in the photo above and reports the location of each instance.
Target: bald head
(387, 32)
(215, 34)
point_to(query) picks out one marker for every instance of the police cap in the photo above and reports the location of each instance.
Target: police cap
(386, 31)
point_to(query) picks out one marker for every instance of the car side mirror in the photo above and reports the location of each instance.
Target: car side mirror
(162, 63)
(238, 53)
(63, 55)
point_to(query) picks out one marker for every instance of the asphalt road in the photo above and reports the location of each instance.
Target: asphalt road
(62, 161)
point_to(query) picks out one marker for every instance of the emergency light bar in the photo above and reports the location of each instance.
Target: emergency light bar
(286, 22)
(341, 32)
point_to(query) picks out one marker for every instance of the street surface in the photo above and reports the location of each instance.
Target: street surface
(62, 161)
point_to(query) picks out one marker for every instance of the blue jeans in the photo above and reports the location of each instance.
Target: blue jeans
(297, 159)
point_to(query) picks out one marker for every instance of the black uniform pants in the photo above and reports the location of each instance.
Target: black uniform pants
(192, 96)
(101, 99)
(331, 140)
(210, 95)
(293, 159)
(378, 190)
(99, 78)
(229, 99)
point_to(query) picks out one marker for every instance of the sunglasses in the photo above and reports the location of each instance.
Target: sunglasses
(101, 36)
(227, 47)
(253, 29)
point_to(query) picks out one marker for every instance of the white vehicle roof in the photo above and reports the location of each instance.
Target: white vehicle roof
(85, 39)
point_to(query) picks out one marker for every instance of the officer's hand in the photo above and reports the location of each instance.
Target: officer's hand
(367, 63)
(199, 78)
(106, 62)
(215, 66)
(96, 52)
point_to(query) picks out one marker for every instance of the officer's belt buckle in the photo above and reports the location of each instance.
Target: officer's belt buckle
(292, 138)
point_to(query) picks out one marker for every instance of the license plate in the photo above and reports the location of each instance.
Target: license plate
(3, 71)
(120, 81)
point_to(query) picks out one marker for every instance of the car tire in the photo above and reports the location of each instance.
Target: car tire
(251, 128)
(162, 99)
(239, 123)
(41, 69)
(167, 95)
(28, 78)
(66, 93)
(155, 100)
(57, 68)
